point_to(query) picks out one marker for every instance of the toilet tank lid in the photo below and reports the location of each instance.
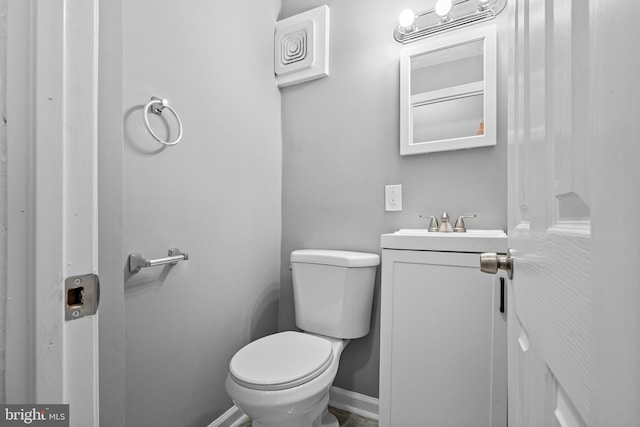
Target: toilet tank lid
(337, 258)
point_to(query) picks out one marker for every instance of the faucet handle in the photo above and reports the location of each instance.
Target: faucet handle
(433, 222)
(459, 225)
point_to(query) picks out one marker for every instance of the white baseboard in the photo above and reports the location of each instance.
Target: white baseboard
(232, 418)
(346, 400)
(355, 403)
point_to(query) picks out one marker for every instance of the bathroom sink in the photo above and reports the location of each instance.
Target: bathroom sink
(422, 240)
(469, 232)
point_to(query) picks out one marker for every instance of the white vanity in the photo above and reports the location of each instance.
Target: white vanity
(443, 356)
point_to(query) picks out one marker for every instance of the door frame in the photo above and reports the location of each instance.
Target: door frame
(52, 73)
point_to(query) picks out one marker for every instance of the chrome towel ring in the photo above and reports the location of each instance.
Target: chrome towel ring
(157, 105)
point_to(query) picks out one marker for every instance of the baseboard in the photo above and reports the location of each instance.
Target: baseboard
(346, 400)
(232, 418)
(355, 403)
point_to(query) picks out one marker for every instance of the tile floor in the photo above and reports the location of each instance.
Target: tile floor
(346, 419)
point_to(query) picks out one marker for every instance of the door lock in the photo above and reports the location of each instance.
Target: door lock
(491, 262)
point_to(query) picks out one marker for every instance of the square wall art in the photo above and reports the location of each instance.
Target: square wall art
(302, 47)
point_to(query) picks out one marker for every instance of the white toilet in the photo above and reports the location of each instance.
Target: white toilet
(284, 379)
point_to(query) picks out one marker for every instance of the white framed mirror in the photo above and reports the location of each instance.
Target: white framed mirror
(448, 92)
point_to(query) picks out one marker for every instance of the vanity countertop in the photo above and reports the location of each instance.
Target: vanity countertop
(473, 241)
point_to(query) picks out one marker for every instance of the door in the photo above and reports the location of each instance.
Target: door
(574, 325)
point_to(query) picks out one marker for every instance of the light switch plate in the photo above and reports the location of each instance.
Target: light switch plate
(393, 197)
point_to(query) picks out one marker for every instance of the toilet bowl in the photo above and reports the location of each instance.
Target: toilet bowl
(284, 379)
(291, 399)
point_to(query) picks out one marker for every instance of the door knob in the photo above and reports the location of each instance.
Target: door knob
(491, 262)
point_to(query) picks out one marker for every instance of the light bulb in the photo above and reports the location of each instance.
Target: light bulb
(483, 4)
(406, 20)
(443, 9)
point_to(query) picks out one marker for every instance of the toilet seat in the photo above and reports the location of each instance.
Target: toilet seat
(281, 361)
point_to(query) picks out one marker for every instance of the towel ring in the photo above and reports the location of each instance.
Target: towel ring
(157, 109)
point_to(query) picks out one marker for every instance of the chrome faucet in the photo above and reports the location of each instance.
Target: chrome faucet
(445, 225)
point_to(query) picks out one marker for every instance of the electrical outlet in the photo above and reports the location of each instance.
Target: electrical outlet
(393, 197)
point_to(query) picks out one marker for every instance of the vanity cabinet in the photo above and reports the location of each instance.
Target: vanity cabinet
(443, 357)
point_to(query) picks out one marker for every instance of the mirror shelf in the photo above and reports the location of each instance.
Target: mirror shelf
(447, 94)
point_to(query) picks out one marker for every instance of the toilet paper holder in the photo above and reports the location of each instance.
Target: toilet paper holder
(138, 262)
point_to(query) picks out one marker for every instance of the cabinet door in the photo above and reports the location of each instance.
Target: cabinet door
(443, 342)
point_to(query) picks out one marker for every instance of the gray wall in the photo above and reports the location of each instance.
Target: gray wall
(216, 195)
(341, 146)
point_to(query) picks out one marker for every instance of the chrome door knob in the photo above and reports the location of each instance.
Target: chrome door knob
(491, 262)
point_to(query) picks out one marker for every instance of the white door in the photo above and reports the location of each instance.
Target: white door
(52, 209)
(574, 329)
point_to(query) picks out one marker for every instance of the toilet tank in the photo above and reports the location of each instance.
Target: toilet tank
(333, 291)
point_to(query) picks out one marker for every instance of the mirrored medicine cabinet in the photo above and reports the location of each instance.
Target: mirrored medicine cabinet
(448, 92)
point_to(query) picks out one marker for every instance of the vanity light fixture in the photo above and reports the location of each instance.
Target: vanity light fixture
(446, 15)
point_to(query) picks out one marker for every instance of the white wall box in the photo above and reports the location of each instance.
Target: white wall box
(448, 92)
(443, 355)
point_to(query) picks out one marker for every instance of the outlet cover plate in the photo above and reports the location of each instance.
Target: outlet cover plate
(393, 197)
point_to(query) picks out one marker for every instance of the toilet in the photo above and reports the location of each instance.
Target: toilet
(284, 379)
